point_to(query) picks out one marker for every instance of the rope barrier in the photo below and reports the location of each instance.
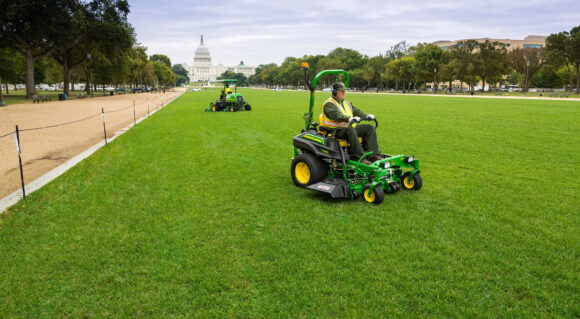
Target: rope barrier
(67, 123)
(7, 134)
(56, 125)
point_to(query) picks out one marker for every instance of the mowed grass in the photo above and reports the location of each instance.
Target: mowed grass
(194, 214)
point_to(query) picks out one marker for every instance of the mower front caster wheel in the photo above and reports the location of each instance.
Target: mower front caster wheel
(415, 184)
(306, 170)
(376, 196)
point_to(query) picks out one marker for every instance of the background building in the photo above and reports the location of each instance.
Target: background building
(531, 41)
(202, 69)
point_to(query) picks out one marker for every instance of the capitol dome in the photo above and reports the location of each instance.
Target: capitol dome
(202, 70)
(202, 55)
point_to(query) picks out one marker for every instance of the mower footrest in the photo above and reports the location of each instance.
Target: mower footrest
(336, 188)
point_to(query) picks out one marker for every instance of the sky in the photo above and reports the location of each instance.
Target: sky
(261, 32)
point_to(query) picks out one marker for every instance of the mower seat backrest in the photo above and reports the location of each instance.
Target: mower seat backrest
(326, 133)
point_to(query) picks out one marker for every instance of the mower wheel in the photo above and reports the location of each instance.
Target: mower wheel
(416, 183)
(232, 109)
(306, 169)
(248, 107)
(376, 197)
(213, 108)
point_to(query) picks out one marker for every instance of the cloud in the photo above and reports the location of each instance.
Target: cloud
(258, 31)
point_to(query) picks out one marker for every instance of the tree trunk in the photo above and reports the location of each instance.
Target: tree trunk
(483, 84)
(66, 74)
(396, 85)
(578, 78)
(1, 93)
(29, 73)
(450, 85)
(7, 88)
(569, 78)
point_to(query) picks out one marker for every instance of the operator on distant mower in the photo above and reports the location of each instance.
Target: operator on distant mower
(337, 113)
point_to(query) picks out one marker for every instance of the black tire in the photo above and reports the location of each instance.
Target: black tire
(248, 107)
(306, 170)
(415, 184)
(377, 196)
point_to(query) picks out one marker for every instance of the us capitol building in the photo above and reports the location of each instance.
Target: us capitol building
(202, 70)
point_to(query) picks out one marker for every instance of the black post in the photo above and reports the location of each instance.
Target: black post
(104, 127)
(20, 162)
(134, 116)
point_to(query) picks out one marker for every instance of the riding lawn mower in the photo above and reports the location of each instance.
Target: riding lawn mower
(229, 101)
(323, 163)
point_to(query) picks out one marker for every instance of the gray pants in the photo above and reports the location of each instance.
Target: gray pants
(368, 134)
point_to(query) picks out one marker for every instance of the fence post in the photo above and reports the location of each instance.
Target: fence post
(147, 107)
(104, 127)
(17, 138)
(134, 115)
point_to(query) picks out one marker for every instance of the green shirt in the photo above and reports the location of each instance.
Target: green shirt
(332, 112)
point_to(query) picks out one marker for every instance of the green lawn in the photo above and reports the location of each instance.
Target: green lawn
(194, 214)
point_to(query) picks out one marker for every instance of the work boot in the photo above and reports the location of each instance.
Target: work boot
(375, 157)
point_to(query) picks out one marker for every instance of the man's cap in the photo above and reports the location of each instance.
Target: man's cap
(339, 86)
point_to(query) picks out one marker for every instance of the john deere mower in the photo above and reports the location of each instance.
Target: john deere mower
(229, 101)
(323, 163)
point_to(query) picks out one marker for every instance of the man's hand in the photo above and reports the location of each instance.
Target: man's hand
(354, 119)
(370, 117)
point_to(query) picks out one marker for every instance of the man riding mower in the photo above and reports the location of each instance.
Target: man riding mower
(325, 162)
(229, 101)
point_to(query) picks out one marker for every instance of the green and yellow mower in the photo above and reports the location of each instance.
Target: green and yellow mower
(322, 162)
(229, 101)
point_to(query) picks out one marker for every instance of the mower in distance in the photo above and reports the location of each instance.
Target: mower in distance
(229, 101)
(323, 163)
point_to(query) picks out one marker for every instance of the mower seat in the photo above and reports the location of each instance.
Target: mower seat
(326, 132)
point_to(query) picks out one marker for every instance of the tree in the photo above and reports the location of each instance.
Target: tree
(397, 51)
(163, 73)
(575, 53)
(378, 64)
(161, 58)
(35, 29)
(181, 74)
(526, 61)
(368, 74)
(401, 69)
(428, 59)
(12, 67)
(558, 52)
(493, 61)
(466, 61)
(352, 59)
(547, 77)
(100, 25)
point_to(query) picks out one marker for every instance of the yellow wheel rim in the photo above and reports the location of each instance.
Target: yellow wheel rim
(231, 109)
(213, 108)
(408, 183)
(302, 172)
(369, 197)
